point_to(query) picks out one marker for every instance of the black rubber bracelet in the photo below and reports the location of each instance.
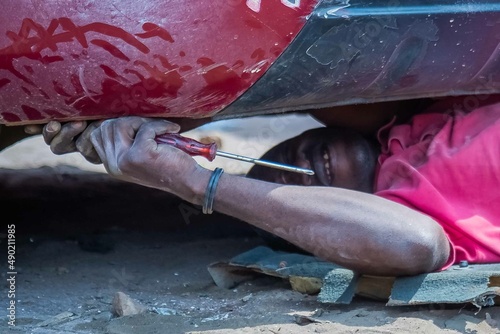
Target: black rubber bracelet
(208, 203)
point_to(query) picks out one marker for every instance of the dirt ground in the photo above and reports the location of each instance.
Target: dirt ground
(82, 237)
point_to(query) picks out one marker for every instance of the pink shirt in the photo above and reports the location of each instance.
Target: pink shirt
(446, 164)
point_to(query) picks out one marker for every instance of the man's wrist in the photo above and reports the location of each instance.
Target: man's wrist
(197, 184)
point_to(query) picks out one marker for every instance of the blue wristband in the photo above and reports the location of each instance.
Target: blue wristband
(210, 192)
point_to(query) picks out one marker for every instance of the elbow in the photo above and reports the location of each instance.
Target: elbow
(415, 252)
(429, 251)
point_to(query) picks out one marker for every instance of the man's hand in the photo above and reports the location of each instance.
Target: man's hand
(75, 136)
(129, 152)
(68, 138)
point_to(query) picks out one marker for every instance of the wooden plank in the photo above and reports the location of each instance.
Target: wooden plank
(375, 287)
(494, 281)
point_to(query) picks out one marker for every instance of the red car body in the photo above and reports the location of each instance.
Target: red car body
(85, 59)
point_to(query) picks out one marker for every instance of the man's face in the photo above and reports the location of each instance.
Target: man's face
(339, 157)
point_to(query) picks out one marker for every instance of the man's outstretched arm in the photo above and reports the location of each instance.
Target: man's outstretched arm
(359, 231)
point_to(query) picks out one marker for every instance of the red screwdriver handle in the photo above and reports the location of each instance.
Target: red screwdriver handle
(188, 145)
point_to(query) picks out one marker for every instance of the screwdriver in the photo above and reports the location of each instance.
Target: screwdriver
(209, 151)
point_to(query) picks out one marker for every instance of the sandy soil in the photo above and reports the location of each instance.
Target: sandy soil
(82, 237)
(167, 271)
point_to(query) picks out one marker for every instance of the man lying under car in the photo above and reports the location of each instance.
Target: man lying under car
(422, 197)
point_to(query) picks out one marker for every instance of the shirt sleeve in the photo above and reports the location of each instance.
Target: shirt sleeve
(446, 165)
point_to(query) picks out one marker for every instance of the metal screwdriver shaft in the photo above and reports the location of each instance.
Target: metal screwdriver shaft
(265, 163)
(209, 151)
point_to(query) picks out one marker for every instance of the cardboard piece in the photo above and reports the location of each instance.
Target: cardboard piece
(476, 284)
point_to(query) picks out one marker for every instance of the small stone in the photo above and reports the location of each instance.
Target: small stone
(318, 312)
(306, 285)
(247, 298)
(61, 317)
(165, 311)
(362, 313)
(305, 320)
(123, 305)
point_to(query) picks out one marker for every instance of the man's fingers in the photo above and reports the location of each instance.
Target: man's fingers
(155, 128)
(64, 141)
(96, 140)
(33, 129)
(84, 144)
(112, 137)
(50, 130)
(170, 127)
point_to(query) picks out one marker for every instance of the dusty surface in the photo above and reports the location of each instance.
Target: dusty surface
(168, 272)
(82, 237)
